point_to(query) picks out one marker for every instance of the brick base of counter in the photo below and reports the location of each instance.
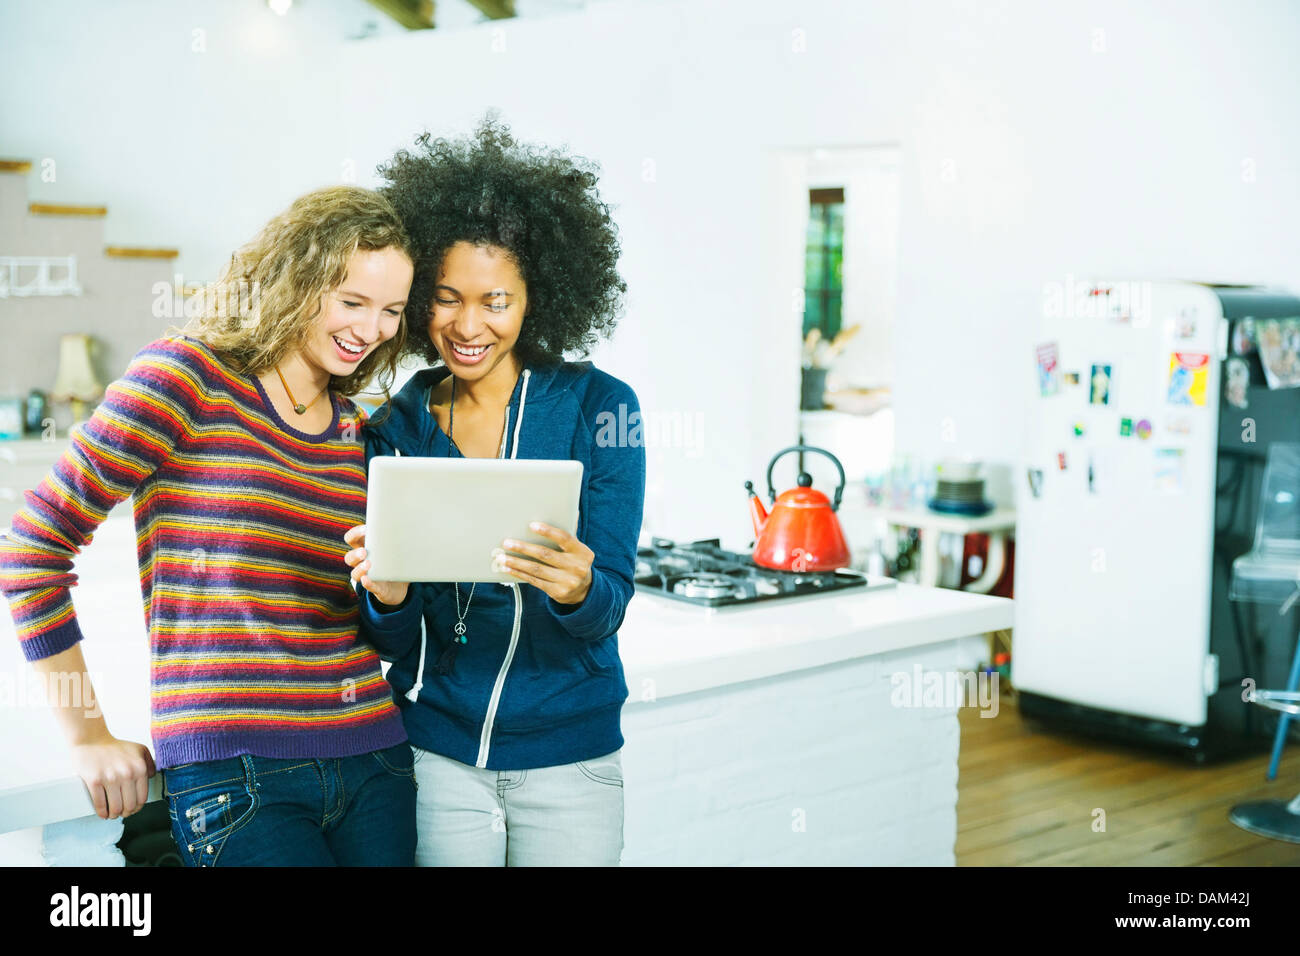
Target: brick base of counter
(817, 767)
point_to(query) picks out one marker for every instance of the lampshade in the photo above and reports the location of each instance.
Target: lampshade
(76, 379)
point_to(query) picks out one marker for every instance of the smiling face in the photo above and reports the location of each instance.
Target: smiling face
(479, 304)
(362, 313)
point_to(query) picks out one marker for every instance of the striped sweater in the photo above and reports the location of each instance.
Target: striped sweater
(239, 524)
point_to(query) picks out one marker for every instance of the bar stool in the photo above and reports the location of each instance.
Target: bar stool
(1270, 573)
(1273, 818)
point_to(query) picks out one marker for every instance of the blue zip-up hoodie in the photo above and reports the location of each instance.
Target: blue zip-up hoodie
(538, 684)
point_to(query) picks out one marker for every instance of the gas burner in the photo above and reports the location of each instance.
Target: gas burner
(704, 574)
(812, 579)
(676, 563)
(705, 586)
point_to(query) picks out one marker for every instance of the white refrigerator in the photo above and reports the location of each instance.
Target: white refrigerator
(1115, 500)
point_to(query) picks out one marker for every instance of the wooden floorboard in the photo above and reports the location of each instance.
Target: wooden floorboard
(1031, 796)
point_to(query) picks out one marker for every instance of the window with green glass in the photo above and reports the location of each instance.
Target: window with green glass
(824, 262)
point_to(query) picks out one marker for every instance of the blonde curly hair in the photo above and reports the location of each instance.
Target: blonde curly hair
(265, 305)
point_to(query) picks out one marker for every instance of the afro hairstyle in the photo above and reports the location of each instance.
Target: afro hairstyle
(539, 205)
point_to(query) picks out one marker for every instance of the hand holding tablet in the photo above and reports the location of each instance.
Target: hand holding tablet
(386, 592)
(471, 520)
(565, 575)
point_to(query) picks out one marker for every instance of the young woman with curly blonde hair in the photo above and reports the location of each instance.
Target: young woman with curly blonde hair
(272, 724)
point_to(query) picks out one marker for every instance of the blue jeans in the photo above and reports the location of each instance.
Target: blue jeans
(264, 811)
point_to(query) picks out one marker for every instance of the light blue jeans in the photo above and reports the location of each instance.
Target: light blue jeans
(571, 815)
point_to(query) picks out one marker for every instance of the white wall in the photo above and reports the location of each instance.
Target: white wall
(1032, 147)
(194, 122)
(1026, 156)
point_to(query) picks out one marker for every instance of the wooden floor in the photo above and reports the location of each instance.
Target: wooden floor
(1028, 796)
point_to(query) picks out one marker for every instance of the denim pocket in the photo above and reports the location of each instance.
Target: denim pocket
(607, 770)
(208, 803)
(397, 760)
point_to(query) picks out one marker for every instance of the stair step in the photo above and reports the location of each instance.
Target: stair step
(65, 209)
(15, 165)
(140, 252)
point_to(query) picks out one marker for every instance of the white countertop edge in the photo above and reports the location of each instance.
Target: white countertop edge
(53, 801)
(749, 664)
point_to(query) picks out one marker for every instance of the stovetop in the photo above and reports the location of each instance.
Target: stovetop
(704, 574)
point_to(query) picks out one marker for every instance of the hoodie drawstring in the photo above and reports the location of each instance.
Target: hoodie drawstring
(414, 692)
(523, 400)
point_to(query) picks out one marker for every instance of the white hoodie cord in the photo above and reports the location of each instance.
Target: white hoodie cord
(485, 735)
(414, 692)
(523, 400)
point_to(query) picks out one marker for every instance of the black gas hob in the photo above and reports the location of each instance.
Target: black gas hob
(702, 573)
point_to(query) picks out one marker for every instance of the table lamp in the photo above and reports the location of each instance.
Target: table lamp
(76, 381)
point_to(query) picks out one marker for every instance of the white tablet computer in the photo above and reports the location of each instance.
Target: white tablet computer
(438, 519)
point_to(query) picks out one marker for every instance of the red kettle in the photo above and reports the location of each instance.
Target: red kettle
(802, 533)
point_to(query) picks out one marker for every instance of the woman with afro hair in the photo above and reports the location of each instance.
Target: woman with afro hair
(511, 696)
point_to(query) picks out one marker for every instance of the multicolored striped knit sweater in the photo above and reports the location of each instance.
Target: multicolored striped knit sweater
(239, 531)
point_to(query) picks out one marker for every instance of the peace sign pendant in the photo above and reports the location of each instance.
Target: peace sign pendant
(460, 631)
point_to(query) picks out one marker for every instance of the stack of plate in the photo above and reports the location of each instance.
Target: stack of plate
(959, 490)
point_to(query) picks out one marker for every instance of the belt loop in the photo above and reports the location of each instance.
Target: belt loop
(250, 773)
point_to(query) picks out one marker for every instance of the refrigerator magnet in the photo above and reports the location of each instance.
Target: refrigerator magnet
(1099, 392)
(1049, 369)
(1278, 342)
(1071, 378)
(1143, 428)
(1036, 482)
(1169, 471)
(1243, 336)
(1079, 429)
(1178, 425)
(1125, 427)
(1189, 374)
(1092, 473)
(1060, 460)
(1117, 308)
(1236, 391)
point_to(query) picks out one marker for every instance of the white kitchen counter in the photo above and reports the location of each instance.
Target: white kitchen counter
(719, 700)
(788, 732)
(684, 649)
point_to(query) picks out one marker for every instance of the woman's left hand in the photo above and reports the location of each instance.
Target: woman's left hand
(565, 575)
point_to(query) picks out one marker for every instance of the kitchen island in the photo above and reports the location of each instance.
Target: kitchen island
(817, 730)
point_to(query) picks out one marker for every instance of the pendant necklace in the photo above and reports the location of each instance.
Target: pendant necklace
(451, 427)
(298, 406)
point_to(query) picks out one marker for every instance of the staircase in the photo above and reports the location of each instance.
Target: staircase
(58, 276)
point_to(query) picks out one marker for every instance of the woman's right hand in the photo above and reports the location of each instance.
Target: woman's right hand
(116, 774)
(385, 592)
